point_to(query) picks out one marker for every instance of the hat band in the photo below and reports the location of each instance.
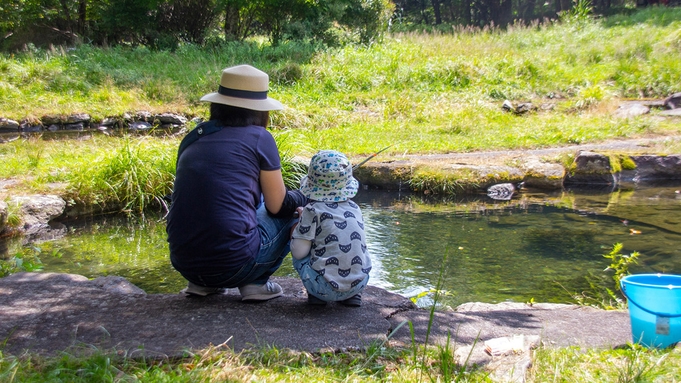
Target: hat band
(242, 93)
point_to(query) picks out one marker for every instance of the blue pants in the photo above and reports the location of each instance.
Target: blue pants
(274, 247)
(317, 285)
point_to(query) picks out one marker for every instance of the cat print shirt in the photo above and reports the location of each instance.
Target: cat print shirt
(338, 248)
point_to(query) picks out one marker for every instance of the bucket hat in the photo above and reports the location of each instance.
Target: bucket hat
(329, 178)
(245, 87)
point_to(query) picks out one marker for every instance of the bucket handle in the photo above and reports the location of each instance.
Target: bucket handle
(645, 309)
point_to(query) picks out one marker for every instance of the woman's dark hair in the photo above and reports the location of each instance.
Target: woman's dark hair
(233, 116)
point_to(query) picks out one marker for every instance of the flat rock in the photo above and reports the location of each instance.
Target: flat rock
(46, 313)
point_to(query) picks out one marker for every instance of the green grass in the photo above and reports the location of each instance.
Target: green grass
(376, 364)
(129, 174)
(424, 93)
(418, 93)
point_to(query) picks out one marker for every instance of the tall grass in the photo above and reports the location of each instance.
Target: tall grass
(132, 173)
(437, 92)
(128, 174)
(414, 92)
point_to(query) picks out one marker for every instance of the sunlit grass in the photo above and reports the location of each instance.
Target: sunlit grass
(131, 174)
(630, 364)
(415, 92)
(421, 92)
(376, 364)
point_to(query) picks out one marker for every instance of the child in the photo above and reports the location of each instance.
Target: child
(328, 245)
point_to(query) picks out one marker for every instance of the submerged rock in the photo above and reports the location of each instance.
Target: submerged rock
(504, 191)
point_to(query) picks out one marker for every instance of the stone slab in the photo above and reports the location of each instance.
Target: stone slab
(45, 313)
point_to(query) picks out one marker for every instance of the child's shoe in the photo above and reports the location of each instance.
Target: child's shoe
(314, 301)
(354, 301)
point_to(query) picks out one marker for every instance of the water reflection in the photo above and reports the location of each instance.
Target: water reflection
(536, 246)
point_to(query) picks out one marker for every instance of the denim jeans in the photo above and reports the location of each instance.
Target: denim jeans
(274, 247)
(317, 285)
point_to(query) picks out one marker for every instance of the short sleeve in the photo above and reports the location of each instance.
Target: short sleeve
(307, 226)
(268, 152)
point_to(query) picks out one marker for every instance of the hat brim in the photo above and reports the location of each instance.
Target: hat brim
(329, 195)
(259, 105)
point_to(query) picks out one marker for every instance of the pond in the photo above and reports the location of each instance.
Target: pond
(536, 247)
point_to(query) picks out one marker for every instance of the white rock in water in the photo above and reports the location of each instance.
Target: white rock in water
(503, 191)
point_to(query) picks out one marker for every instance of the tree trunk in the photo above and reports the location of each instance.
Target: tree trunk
(436, 11)
(232, 22)
(67, 15)
(494, 12)
(563, 5)
(527, 10)
(467, 17)
(505, 13)
(82, 16)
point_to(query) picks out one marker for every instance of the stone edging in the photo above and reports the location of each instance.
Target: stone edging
(590, 169)
(138, 121)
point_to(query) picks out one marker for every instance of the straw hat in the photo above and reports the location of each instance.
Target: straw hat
(245, 87)
(329, 178)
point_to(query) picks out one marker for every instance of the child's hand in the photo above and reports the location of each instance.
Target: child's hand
(297, 214)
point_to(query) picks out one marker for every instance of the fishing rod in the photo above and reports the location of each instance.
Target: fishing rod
(370, 157)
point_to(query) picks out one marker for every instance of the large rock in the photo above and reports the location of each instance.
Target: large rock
(47, 313)
(542, 175)
(37, 211)
(7, 125)
(652, 169)
(591, 169)
(631, 109)
(673, 101)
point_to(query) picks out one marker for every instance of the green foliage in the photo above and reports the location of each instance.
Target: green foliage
(292, 169)
(129, 174)
(429, 181)
(27, 259)
(628, 364)
(13, 214)
(167, 24)
(606, 294)
(580, 12)
(132, 174)
(362, 98)
(620, 263)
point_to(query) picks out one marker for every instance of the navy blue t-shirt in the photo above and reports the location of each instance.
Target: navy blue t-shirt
(212, 224)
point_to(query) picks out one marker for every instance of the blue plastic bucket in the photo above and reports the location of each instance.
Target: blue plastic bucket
(654, 307)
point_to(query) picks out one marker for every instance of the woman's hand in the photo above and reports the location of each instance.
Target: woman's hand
(297, 214)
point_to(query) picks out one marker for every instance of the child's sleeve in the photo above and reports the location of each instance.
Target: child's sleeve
(303, 234)
(307, 225)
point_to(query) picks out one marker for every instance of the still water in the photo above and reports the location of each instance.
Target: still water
(540, 247)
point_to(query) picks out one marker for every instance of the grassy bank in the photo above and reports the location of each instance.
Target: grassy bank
(420, 93)
(377, 364)
(424, 93)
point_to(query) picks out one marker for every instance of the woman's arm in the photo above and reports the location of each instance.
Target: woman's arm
(279, 202)
(273, 189)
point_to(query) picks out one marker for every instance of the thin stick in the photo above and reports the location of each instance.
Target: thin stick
(370, 157)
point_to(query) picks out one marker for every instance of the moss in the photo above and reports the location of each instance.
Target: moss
(436, 181)
(615, 166)
(627, 163)
(619, 162)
